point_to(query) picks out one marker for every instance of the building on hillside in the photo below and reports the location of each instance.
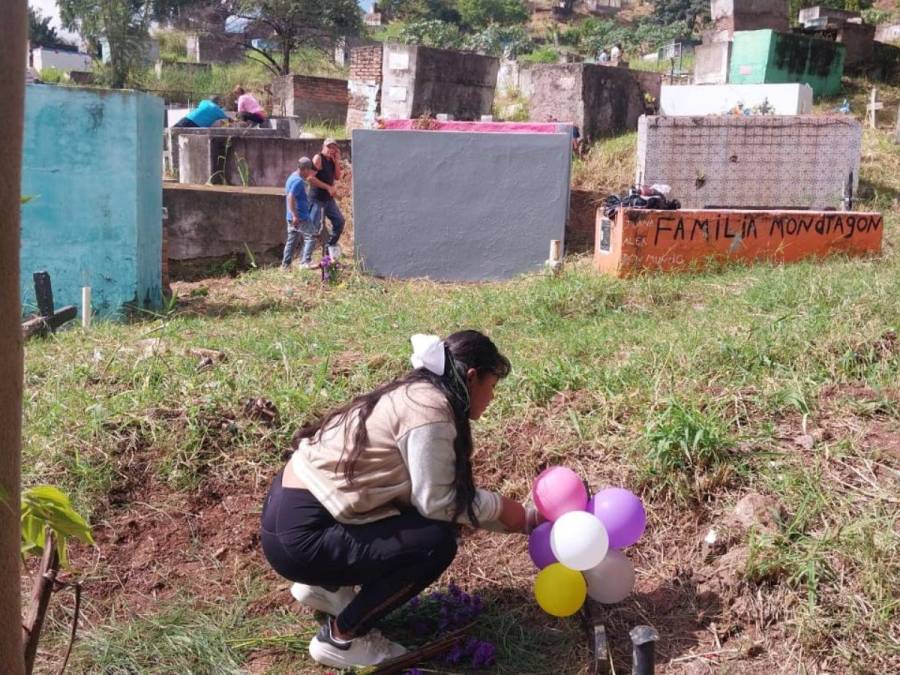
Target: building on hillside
(66, 60)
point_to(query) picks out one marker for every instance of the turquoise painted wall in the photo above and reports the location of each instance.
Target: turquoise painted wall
(92, 165)
(765, 56)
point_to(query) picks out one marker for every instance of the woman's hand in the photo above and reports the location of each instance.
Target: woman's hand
(513, 516)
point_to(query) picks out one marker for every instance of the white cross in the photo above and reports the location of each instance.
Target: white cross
(873, 106)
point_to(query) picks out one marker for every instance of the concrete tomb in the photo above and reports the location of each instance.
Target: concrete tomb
(419, 81)
(764, 56)
(245, 159)
(600, 100)
(91, 168)
(731, 16)
(422, 207)
(711, 62)
(756, 161)
(310, 99)
(210, 226)
(644, 240)
(783, 99)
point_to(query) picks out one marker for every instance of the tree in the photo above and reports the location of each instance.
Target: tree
(41, 33)
(482, 13)
(124, 24)
(297, 23)
(692, 11)
(420, 10)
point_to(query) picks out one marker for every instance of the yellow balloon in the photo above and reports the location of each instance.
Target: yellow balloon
(560, 591)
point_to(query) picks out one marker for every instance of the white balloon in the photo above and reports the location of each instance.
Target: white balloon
(612, 580)
(579, 540)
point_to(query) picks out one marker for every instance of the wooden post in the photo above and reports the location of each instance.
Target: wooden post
(12, 84)
(40, 599)
(873, 107)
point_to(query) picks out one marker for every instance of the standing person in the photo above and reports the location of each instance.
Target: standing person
(206, 114)
(248, 108)
(328, 171)
(299, 222)
(375, 490)
(616, 53)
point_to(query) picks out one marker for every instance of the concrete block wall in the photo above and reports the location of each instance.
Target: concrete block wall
(230, 160)
(420, 207)
(772, 162)
(364, 86)
(731, 16)
(421, 80)
(313, 99)
(92, 163)
(211, 224)
(600, 100)
(211, 48)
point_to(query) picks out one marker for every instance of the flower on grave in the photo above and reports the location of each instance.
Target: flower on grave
(330, 268)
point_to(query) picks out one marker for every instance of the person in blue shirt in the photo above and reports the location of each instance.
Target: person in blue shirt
(204, 115)
(298, 220)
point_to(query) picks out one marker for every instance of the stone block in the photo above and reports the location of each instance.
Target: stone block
(91, 164)
(711, 99)
(600, 100)
(423, 208)
(643, 240)
(209, 225)
(711, 63)
(747, 162)
(311, 99)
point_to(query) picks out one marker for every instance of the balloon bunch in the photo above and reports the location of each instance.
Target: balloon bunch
(577, 549)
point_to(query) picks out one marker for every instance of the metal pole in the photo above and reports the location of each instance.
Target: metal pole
(643, 640)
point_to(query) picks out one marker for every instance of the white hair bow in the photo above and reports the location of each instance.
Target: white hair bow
(428, 352)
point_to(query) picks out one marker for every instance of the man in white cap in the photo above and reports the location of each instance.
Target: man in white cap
(328, 171)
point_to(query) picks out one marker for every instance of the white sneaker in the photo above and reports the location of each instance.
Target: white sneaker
(334, 252)
(309, 265)
(316, 597)
(366, 650)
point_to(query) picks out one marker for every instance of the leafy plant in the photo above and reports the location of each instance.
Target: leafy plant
(45, 508)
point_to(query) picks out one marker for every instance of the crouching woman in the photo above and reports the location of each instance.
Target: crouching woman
(374, 491)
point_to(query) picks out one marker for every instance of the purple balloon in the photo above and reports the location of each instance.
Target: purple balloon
(621, 513)
(539, 546)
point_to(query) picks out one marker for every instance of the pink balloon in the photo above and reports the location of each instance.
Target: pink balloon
(558, 490)
(621, 513)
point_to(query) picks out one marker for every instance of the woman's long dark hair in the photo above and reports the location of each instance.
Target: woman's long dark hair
(463, 350)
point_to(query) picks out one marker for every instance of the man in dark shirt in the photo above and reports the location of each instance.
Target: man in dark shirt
(328, 172)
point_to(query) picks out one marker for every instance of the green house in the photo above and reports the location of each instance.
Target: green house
(766, 56)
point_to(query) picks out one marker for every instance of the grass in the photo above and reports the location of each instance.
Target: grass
(691, 389)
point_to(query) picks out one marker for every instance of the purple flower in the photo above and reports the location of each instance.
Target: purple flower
(456, 654)
(484, 655)
(414, 602)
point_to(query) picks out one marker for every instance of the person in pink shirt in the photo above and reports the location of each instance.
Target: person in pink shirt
(248, 108)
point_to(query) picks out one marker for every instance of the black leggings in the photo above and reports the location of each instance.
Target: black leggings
(255, 118)
(184, 122)
(393, 559)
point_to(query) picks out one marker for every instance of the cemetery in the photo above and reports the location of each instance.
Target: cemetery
(447, 356)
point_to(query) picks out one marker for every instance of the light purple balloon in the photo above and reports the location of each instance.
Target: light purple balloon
(539, 546)
(621, 513)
